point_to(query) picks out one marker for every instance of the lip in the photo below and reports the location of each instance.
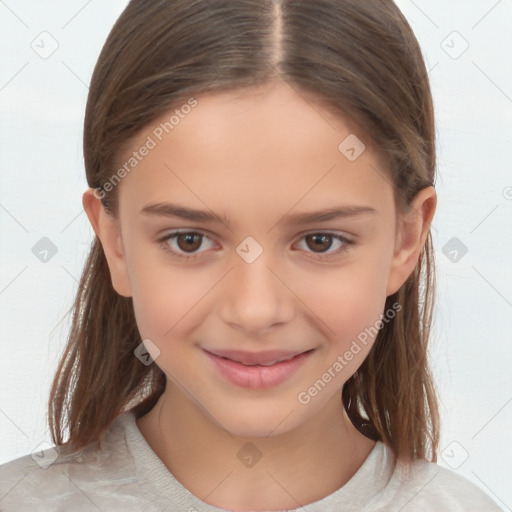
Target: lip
(243, 368)
(263, 358)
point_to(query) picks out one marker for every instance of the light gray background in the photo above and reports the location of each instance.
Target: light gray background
(42, 103)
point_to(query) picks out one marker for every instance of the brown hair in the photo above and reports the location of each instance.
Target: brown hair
(362, 60)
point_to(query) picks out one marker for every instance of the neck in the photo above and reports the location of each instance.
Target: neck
(284, 471)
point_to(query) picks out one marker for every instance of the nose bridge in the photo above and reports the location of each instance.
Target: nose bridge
(253, 298)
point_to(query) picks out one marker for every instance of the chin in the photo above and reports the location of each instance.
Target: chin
(255, 422)
(252, 431)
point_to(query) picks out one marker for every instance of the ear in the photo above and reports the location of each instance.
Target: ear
(107, 229)
(412, 230)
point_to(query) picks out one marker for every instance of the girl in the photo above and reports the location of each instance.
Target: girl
(250, 330)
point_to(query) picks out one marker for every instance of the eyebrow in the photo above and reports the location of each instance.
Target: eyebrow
(173, 210)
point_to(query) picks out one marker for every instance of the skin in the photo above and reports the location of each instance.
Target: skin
(258, 156)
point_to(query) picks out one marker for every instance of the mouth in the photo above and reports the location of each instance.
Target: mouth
(257, 370)
(267, 358)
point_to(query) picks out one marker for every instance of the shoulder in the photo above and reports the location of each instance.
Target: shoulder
(426, 486)
(104, 478)
(32, 479)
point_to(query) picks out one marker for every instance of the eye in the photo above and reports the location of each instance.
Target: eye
(185, 244)
(322, 243)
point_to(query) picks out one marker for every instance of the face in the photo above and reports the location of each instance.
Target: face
(229, 276)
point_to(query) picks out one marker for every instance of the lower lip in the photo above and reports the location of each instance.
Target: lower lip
(257, 377)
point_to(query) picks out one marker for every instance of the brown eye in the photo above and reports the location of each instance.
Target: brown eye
(186, 244)
(189, 242)
(324, 245)
(319, 242)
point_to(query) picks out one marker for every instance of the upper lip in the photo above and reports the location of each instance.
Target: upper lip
(266, 357)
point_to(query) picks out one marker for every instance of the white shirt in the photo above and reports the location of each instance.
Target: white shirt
(126, 475)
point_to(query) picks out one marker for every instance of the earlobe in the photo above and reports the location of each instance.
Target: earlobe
(106, 228)
(412, 230)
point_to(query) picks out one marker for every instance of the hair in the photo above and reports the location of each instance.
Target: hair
(362, 61)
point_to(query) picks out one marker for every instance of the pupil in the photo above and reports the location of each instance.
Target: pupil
(324, 240)
(191, 241)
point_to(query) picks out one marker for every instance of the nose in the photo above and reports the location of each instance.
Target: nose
(255, 298)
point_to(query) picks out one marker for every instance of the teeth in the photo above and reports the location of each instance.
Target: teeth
(269, 363)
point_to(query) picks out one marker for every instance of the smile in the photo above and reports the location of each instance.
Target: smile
(257, 371)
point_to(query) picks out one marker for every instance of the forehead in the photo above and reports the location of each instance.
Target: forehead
(251, 149)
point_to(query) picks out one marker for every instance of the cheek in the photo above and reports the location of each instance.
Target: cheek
(348, 299)
(349, 304)
(168, 300)
(167, 309)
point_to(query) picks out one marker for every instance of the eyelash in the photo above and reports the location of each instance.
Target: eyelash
(319, 256)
